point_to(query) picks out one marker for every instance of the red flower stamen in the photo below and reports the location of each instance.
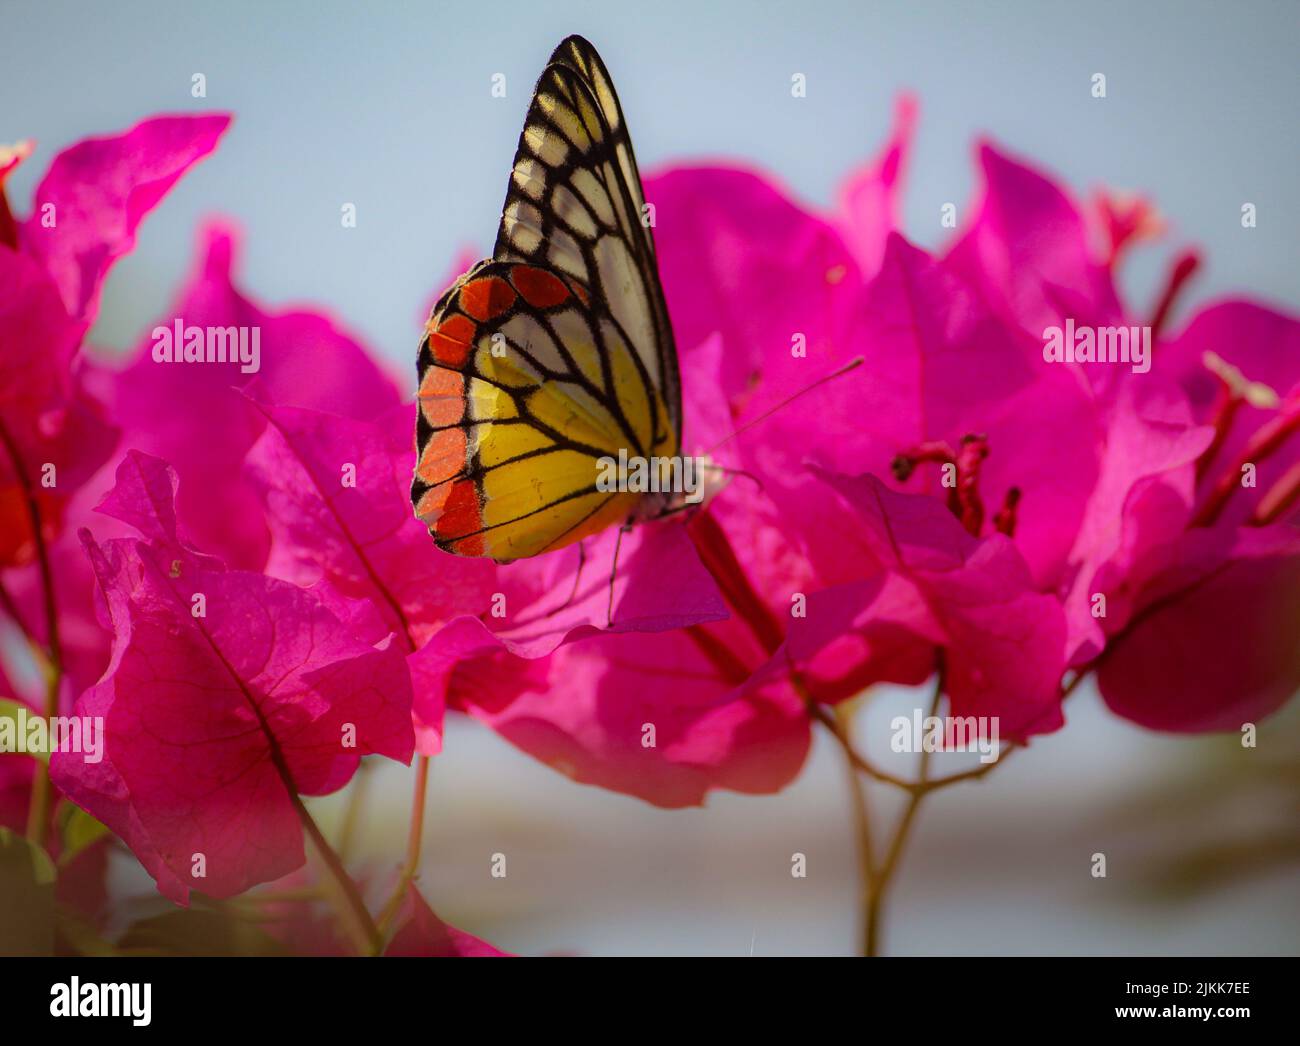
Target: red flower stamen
(10, 157)
(8, 228)
(1234, 390)
(936, 451)
(1264, 442)
(964, 499)
(1126, 220)
(1226, 404)
(1279, 499)
(1183, 269)
(1004, 520)
(964, 495)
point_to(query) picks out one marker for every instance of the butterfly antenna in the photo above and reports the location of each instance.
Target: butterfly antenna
(851, 365)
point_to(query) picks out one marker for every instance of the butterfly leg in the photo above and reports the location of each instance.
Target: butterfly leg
(573, 592)
(577, 576)
(613, 572)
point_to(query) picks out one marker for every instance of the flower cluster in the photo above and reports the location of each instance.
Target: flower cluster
(221, 565)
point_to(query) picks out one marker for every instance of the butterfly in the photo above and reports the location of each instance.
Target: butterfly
(555, 355)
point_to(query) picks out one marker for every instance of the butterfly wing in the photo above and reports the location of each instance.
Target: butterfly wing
(525, 386)
(557, 352)
(575, 204)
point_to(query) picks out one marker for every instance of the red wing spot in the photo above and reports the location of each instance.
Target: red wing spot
(450, 341)
(581, 292)
(541, 289)
(460, 512)
(472, 546)
(486, 298)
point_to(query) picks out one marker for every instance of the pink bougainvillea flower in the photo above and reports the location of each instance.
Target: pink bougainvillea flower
(1201, 629)
(91, 201)
(1211, 643)
(1143, 500)
(666, 717)
(1026, 250)
(555, 678)
(870, 198)
(83, 640)
(1239, 363)
(336, 497)
(741, 258)
(52, 436)
(939, 367)
(335, 492)
(84, 216)
(173, 409)
(735, 254)
(1089, 469)
(1222, 395)
(421, 934)
(544, 603)
(939, 588)
(228, 695)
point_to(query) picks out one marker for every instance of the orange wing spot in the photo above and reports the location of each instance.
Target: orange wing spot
(581, 292)
(486, 298)
(442, 397)
(442, 456)
(541, 289)
(450, 341)
(460, 512)
(450, 509)
(431, 502)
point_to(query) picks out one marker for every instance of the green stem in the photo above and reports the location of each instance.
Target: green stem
(360, 924)
(414, 844)
(861, 806)
(879, 883)
(352, 811)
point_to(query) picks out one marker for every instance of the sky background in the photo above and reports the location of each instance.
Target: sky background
(387, 105)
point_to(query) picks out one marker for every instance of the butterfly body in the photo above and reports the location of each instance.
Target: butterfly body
(555, 355)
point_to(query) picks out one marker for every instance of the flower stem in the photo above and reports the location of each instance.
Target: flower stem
(352, 812)
(850, 752)
(862, 822)
(360, 924)
(880, 882)
(38, 810)
(414, 843)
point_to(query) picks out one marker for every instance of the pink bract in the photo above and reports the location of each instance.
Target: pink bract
(228, 694)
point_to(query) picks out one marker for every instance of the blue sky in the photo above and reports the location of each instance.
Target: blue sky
(387, 105)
